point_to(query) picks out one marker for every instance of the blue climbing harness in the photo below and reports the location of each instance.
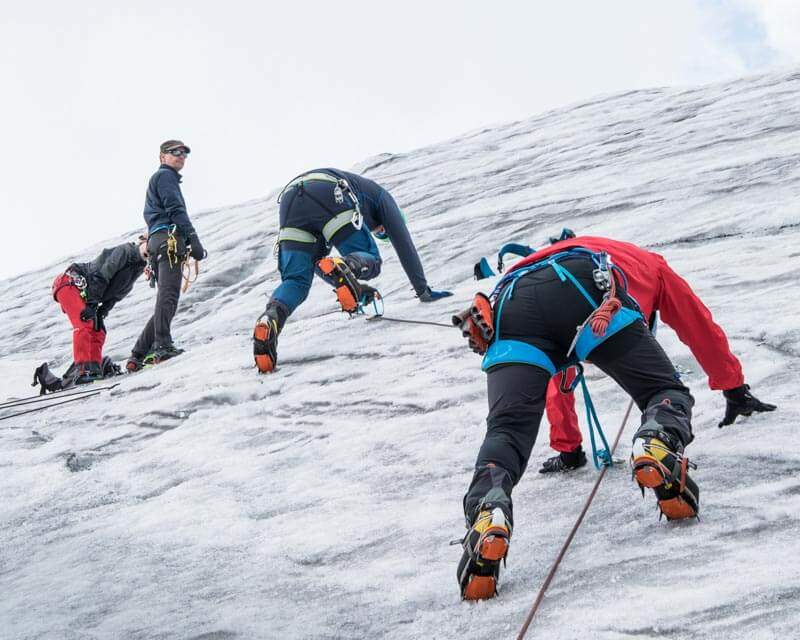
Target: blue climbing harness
(504, 351)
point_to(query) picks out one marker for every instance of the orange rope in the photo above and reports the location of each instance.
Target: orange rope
(601, 317)
(603, 314)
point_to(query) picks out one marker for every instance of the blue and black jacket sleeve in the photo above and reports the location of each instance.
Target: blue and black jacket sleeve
(401, 240)
(169, 192)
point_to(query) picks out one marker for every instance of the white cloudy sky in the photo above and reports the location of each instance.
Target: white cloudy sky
(263, 91)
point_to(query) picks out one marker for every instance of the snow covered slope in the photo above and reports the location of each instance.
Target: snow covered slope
(201, 500)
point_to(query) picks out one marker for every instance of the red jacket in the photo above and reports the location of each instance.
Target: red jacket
(656, 287)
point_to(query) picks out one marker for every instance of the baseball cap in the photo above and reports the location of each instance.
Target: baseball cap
(169, 145)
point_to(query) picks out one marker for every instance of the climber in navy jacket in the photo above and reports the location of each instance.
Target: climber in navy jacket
(324, 208)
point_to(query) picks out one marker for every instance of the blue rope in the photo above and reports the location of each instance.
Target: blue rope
(601, 457)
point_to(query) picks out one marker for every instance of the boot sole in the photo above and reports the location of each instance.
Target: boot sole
(649, 472)
(480, 588)
(343, 293)
(346, 299)
(264, 361)
(494, 546)
(652, 474)
(327, 266)
(677, 508)
(491, 550)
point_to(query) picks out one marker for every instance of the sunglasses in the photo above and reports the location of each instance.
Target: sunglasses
(178, 153)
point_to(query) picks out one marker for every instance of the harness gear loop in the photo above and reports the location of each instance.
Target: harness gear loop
(605, 281)
(564, 384)
(74, 279)
(357, 219)
(512, 248)
(172, 247)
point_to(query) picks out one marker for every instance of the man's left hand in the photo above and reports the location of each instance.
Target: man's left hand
(196, 249)
(742, 403)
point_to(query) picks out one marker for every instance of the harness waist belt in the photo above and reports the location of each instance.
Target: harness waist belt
(76, 279)
(296, 235)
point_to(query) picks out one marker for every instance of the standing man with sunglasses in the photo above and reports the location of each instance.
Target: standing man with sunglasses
(172, 238)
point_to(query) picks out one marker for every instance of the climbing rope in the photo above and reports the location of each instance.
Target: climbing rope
(186, 274)
(54, 404)
(568, 541)
(407, 321)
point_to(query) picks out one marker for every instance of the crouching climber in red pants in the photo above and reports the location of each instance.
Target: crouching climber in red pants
(87, 292)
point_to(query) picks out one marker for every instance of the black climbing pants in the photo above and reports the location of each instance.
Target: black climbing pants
(157, 332)
(544, 312)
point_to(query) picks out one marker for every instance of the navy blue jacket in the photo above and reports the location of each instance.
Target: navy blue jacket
(380, 210)
(164, 204)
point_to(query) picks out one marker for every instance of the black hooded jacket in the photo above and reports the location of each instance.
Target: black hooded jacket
(111, 275)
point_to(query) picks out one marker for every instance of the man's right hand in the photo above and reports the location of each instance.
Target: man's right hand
(89, 313)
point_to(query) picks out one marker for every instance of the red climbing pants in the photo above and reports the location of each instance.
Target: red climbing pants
(87, 344)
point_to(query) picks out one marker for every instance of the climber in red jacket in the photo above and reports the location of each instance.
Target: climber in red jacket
(656, 287)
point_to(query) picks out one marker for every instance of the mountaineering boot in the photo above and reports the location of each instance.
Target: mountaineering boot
(659, 464)
(109, 368)
(162, 353)
(564, 461)
(485, 547)
(87, 372)
(135, 363)
(265, 337)
(349, 291)
(46, 379)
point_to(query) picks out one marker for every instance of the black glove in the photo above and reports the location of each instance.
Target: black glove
(742, 403)
(99, 322)
(196, 249)
(89, 312)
